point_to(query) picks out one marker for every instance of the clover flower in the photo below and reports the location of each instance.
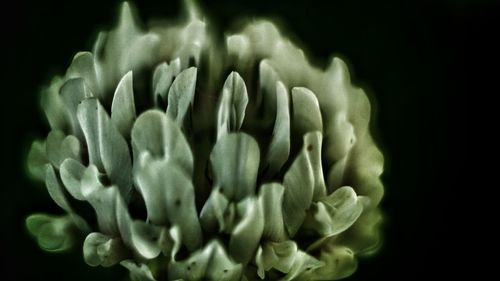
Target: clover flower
(208, 160)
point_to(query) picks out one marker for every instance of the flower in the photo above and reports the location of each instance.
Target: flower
(206, 161)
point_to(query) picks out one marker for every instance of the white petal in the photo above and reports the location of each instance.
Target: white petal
(100, 249)
(235, 161)
(246, 235)
(306, 111)
(232, 105)
(279, 148)
(123, 106)
(271, 197)
(71, 172)
(181, 94)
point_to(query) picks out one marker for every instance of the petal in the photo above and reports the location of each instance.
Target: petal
(71, 172)
(235, 161)
(82, 66)
(73, 92)
(55, 189)
(138, 272)
(53, 106)
(157, 134)
(278, 255)
(306, 111)
(53, 233)
(271, 198)
(162, 79)
(181, 94)
(221, 266)
(232, 105)
(212, 214)
(106, 145)
(169, 193)
(123, 106)
(303, 265)
(60, 147)
(279, 148)
(339, 261)
(37, 159)
(266, 97)
(102, 199)
(100, 249)
(246, 235)
(299, 183)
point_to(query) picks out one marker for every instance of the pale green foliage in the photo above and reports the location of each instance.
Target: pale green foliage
(192, 174)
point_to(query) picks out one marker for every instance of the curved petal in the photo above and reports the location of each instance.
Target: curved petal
(235, 161)
(232, 105)
(82, 66)
(339, 261)
(107, 148)
(71, 172)
(162, 79)
(37, 159)
(306, 111)
(123, 106)
(181, 94)
(279, 148)
(53, 233)
(300, 182)
(100, 249)
(271, 198)
(246, 235)
(157, 134)
(102, 199)
(73, 91)
(138, 272)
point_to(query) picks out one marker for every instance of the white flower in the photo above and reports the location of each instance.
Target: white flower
(208, 161)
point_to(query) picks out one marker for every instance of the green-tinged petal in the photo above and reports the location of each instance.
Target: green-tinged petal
(246, 235)
(169, 194)
(162, 79)
(299, 183)
(158, 134)
(194, 267)
(180, 206)
(54, 234)
(82, 66)
(55, 189)
(73, 92)
(102, 198)
(53, 106)
(271, 197)
(267, 88)
(138, 271)
(212, 215)
(302, 267)
(60, 147)
(232, 105)
(338, 211)
(181, 95)
(314, 140)
(37, 159)
(277, 255)
(306, 111)
(279, 148)
(339, 261)
(222, 267)
(71, 172)
(103, 250)
(235, 161)
(123, 106)
(106, 145)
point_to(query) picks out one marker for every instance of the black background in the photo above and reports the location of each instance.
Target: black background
(414, 57)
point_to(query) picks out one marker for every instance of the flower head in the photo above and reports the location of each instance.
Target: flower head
(202, 160)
